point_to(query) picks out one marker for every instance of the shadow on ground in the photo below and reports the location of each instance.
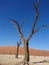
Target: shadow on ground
(41, 61)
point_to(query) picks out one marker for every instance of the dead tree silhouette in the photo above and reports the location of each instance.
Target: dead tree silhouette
(17, 50)
(33, 31)
(26, 41)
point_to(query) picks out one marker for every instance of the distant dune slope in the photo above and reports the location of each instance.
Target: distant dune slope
(12, 50)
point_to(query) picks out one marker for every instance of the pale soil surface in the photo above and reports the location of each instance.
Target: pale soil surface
(6, 59)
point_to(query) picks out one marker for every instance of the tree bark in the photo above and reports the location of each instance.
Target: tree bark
(17, 51)
(26, 52)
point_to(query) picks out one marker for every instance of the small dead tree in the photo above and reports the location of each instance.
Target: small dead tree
(17, 50)
(33, 31)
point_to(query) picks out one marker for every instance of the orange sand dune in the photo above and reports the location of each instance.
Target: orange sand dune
(12, 50)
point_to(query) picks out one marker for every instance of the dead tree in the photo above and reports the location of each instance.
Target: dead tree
(26, 41)
(33, 31)
(17, 50)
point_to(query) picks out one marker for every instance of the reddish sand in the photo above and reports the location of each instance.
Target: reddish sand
(12, 50)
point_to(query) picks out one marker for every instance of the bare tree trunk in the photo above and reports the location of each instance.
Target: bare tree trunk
(26, 52)
(18, 44)
(17, 51)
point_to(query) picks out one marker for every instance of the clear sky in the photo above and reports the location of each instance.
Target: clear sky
(23, 11)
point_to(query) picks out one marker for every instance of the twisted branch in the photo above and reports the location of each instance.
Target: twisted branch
(39, 27)
(35, 22)
(17, 26)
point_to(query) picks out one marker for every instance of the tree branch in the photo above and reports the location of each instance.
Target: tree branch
(39, 27)
(36, 18)
(25, 19)
(18, 43)
(17, 26)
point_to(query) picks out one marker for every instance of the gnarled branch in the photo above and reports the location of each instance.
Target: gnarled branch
(19, 43)
(39, 27)
(17, 26)
(36, 18)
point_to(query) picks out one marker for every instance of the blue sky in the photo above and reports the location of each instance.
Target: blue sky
(23, 11)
